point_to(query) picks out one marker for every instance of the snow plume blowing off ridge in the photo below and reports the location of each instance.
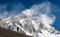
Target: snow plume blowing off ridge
(42, 19)
(41, 10)
(35, 21)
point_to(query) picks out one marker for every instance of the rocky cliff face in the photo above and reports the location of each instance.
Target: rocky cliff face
(8, 33)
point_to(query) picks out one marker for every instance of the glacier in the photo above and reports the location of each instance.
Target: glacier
(35, 22)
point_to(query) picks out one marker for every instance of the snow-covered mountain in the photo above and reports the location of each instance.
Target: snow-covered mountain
(35, 22)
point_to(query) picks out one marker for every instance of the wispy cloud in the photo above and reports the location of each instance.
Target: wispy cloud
(15, 9)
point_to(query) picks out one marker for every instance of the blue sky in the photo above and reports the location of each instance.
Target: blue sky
(13, 7)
